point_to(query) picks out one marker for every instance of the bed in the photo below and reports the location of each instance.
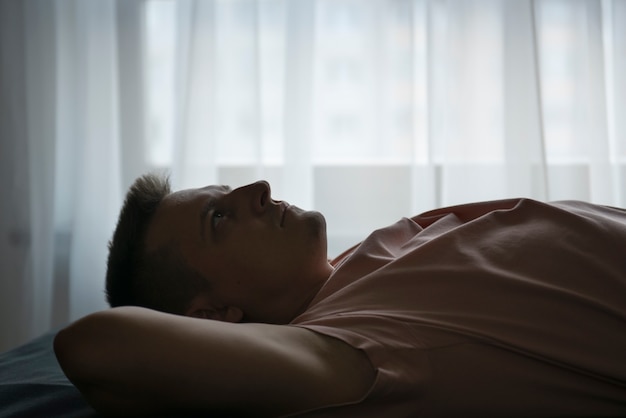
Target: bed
(33, 385)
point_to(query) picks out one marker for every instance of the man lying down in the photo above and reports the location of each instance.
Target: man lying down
(224, 301)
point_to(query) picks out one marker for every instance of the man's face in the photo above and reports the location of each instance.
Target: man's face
(263, 256)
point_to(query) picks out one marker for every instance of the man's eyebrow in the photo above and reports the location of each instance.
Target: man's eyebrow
(206, 207)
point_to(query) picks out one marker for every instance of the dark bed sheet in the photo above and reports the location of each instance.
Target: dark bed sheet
(33, 385)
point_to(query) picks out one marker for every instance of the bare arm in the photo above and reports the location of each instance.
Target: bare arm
(137, 361)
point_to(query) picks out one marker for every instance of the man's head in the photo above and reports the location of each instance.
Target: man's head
(223, 254)
(157, 279)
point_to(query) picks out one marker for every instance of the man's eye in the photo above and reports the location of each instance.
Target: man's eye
(216, 218)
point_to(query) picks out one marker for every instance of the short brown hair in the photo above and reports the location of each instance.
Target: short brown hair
(158, 279)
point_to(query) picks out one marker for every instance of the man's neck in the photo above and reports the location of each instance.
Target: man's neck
(292, 304)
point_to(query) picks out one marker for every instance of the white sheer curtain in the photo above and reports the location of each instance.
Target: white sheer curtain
(367, 110)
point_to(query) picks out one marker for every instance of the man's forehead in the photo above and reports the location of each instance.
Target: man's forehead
(176, 214)
(186, 195)
(179, 213)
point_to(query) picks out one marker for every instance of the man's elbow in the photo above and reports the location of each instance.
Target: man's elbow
(98, 354)
(70, 350)
(67, 348)
(78, 349)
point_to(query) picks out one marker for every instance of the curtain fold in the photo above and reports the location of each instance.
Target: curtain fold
(95, 150)
(195, 94)
(366, 110)
(40, 72)
(525, 158)
(14, 204)
(298, 90)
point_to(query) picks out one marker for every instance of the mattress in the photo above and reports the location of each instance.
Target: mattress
(33, 385)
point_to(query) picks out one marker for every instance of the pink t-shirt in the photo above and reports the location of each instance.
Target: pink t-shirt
(506, 308)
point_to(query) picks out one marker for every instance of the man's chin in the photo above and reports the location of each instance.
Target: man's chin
(317, 224)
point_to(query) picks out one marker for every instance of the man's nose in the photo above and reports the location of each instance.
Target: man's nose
(258, 194)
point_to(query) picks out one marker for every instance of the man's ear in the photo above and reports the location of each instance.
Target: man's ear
(200, 307)
(229, 314)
